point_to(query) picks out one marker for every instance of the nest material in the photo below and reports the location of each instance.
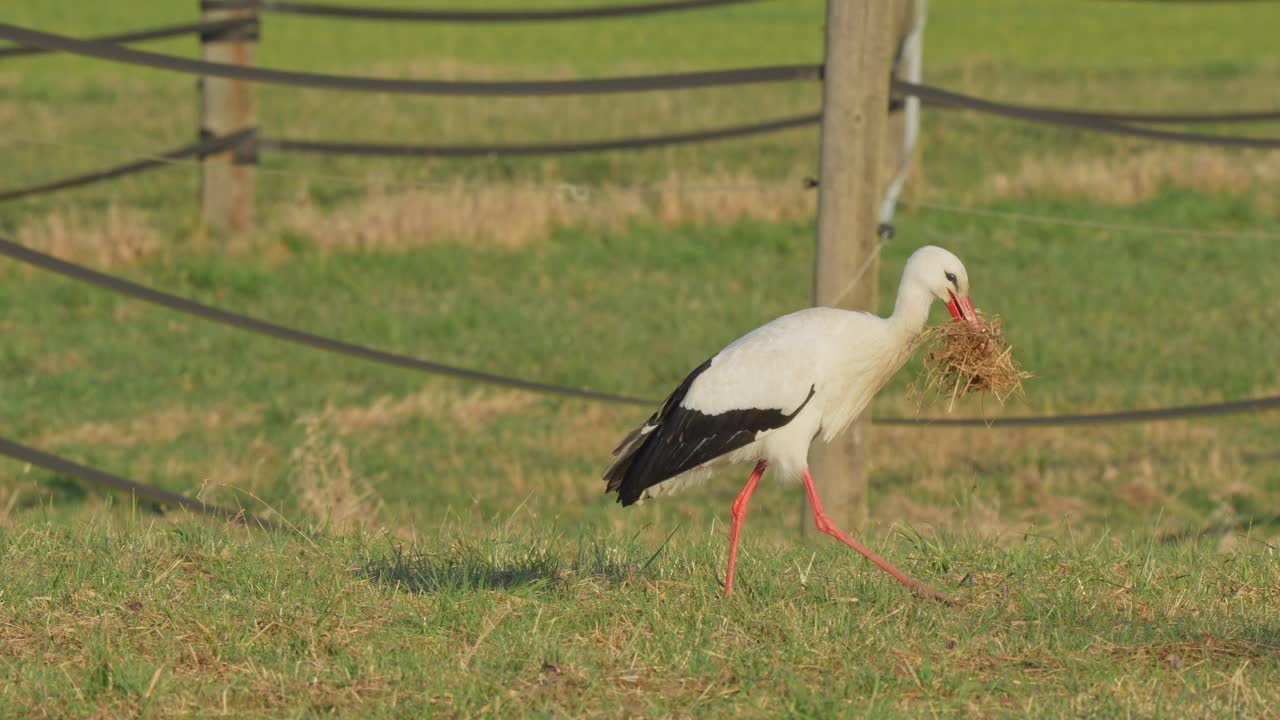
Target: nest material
(969, 358)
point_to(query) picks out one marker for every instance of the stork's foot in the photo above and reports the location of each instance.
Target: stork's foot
(925, 592)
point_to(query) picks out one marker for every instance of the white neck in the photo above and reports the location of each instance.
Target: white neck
(910, 311)
(895, 342)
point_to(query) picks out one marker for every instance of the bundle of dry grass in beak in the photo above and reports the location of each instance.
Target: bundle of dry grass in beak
(968, 357)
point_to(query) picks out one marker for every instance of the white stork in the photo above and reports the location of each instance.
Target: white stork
(768, 394)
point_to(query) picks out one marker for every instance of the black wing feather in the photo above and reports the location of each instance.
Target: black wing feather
(676, 439)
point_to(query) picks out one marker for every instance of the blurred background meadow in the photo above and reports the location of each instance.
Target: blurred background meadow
(1130, 274)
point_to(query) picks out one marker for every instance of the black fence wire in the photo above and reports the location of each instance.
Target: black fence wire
(1097, 122)
(128, 288)
(94, 476)
(1179, 412)
(246, 140)
(1113, 123)
(467, 16)
(578, 191)
(535, 149)
(104, 48)
(159, 33)
(1222, 118)
(946, 98)
(261, 327)
(210, 146)
(513, 88)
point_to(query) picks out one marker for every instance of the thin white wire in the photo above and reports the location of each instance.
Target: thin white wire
(1095, 225)
(866, 265)
(576, 191)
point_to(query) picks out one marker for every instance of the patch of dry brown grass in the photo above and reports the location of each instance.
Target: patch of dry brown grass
(1048, 474)
(158, 426)
(9, 497)
(1194, 651)
(517, 215)
(234, 477)
(324, 484)
(1136, 177)
(468, 412)
(503, 215)
(58, 363)
(121, 236)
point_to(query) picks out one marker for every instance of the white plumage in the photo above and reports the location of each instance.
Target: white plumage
(768, 394)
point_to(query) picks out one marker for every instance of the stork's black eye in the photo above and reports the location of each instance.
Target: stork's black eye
(952, 278)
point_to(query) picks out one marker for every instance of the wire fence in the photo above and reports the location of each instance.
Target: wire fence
(121, 286)
(248, 144)
(505, 88)
(1101, 121)
(1097, 122)
(539, 149)
(576, 190)
(246, 141)
(136, 291)
(201, 27)
(347, 12)
(584, 192)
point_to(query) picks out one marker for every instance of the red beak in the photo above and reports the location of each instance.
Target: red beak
(962, 309)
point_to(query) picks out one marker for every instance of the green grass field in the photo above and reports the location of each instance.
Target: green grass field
(188, 619)
(467, 563)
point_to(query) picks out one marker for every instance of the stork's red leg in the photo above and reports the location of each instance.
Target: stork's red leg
(824, 524)
(740, 512)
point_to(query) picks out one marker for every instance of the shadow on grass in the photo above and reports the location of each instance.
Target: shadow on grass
(1261, 643)
(1243, 525)
(426, 573)
(49, 490)
(1265, 641)
(55, 490)
(507, 565)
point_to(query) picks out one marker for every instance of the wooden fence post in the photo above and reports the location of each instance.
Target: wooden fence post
(855, 101)
(227, 179)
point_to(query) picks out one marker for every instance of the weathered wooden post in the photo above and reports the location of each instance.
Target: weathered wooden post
(227, 179)
(855, 103)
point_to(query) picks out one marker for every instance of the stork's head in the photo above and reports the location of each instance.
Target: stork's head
(943, 275)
